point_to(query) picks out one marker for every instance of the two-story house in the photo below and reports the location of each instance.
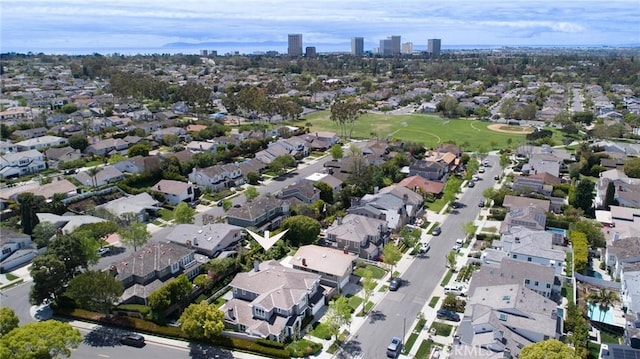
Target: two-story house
(434, 171)
(22, 163)
(335, 266)
(272, 300)
(174, 191)
(139, 164)
(358, 234)
(395, 204)
(262, 213)
(55, 155)
(620, 253)
(38, 143)
(217, 177)
(210, 239)
(106, 146)
(529, 245)
(303, 191)
(147, 269)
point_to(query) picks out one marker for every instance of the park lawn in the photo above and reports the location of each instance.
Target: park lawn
(422, 128)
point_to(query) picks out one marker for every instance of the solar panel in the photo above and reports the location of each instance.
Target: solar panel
(625, 353)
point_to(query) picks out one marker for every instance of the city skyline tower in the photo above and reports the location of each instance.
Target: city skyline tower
(294, 45)
(357, 46)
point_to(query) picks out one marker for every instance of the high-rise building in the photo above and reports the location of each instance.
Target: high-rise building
(357, 46)
(310, 51)
(204, 52)
(407, 48)
(434, 47)
(390, 46)
(295, 45)
(395, 45)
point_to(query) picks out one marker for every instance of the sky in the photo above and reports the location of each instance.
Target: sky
(157, 26)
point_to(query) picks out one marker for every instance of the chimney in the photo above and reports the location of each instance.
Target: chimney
(375, 189)
(339, 219)
(188, 243)
(256, 265)
(230, 313)
(304, 262)
(517, 239)
(346, 250)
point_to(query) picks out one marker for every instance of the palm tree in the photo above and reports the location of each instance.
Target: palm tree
(93, 172)
(607, 299)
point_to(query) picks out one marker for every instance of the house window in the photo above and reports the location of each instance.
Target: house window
(529, 259)
(515, 256)
(548, 286)
(526, 281)
(536, 283)
(259, 312)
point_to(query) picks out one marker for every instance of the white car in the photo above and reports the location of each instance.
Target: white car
(424, 247)
(481, 170)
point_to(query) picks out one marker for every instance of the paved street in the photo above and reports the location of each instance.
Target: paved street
(398, 310)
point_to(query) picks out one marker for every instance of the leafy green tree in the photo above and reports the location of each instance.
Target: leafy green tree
(170, 140)
(580, 251)
(391, 255)
(29, 205)
(452, 260)
(368, 286)
(338, 314)
(135, 235)
(336, 152)
(95, 290)
(326, 192)
(78, 142)
(115, 158)
(140, 149)
(469, 228)
(42, 233)
(183, 213)
(548, 349)
(584, 195)
(504, 160)
(610, 196)
(345, 113)
(450, 302)
(174, 292)
(251, 193)
(253, 178)
(8, 320)
(281, 163)
(48, 339)
(202, 321)
(69, 108)
(632, 167)
(226, 204)
(71, 249)
(302, 230)
(49, 277)
(592, 230)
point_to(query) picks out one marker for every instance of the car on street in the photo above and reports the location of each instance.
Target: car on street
(102, 251)
(133, 339)
(481, 170)
(436, 231)
(496, 177)
(220, 203)
(471, 184)
(424, 247)
(481, 203)
(394, 347)
(448, 315)
(394, 284)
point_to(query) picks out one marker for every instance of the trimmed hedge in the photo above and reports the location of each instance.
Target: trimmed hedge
(557, 223)
(487, 236)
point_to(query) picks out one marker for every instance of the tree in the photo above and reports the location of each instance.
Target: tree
(368, 286)
(281, 163)
(49, 277)
(592, 230)
(226, 204)
(584, 195)
(632, 167)
(452, 259)
(95, 290)
(29, 205)
(326, 192)
(71, 249)
(115, 158)
(253, 178)
(42, 233)
(135, 235)
(302, 230)
(450, 302)
(469, 228)
(391, 255)
(337, 152)
(610, 196)
(338, 314)
(251, 193)
(93, 173)
(183, 213)
(78, 142)
(346, 113)
(548, 349)
(202, 321)
(48, 339)
(176, 291)
(605, 299)
(8, 320)
(140, 149)
(170, 139)
(504, 160)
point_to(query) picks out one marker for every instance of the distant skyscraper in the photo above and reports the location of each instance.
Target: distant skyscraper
(357, 46)
(434, 47)
(204, 52)
(407, 48)
(310, 51)
(295, 45)
(390, 46)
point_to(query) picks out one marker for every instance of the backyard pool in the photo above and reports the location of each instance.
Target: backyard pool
(594, 274)
(597, 315)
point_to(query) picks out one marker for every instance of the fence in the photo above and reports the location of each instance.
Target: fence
(598, 282)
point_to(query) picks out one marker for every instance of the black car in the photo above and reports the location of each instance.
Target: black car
(436, 231)
(134, 340)
(448, 315)
(394, 284)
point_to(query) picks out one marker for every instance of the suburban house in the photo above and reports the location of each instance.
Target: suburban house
(504, 319)
(422, 185)
(334, 266)
(540, 279)
(621, 253)
(179, 132)
(529, 245)
(7, 147)
(21, 163)
(271, 301)
(139, 164)
(209, 240)
(68, 222)
(107, 174)
(107, 146)
(434, 171)
(539, 163)
(531, 217)
(303, 191)
(619, 222)
(150, 267)
(56, 155)
(143, 205)
(217, 177)
(174, 191)
(449, 159)
(358, 234)
(15, 250)
(627, 190)
(30, 133)
(262, 213)
(39, 143)
(395, 204)
(202, 146)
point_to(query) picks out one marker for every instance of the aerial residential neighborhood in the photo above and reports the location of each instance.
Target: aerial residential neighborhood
(474, 206)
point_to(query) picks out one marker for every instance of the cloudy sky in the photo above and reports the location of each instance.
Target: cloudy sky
(125, 26)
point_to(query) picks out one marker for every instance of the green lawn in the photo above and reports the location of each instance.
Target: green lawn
(11, 276)
(434, 301)
(447, 278)
(354, 302)
(376, 272)
(321, 331)
(606, 337)
(93, 163)
(442, 328)
(165, 214)
(428, 129)
(424, 350)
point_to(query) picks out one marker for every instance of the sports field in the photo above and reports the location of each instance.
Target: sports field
(427, 129)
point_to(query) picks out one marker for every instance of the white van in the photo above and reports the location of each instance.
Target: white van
(455, 289)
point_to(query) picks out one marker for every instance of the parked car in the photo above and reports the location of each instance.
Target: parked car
(220, 203)
(104, 251)
(436, 231)
(471, 184)
(481, 170)
(481, 203)
(394, 284)
(448, 315)
(424, 247)
(134, 340)
(496, 177)
(394, 347)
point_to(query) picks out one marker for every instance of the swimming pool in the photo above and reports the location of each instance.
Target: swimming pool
(594, 274)
(597, 315)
